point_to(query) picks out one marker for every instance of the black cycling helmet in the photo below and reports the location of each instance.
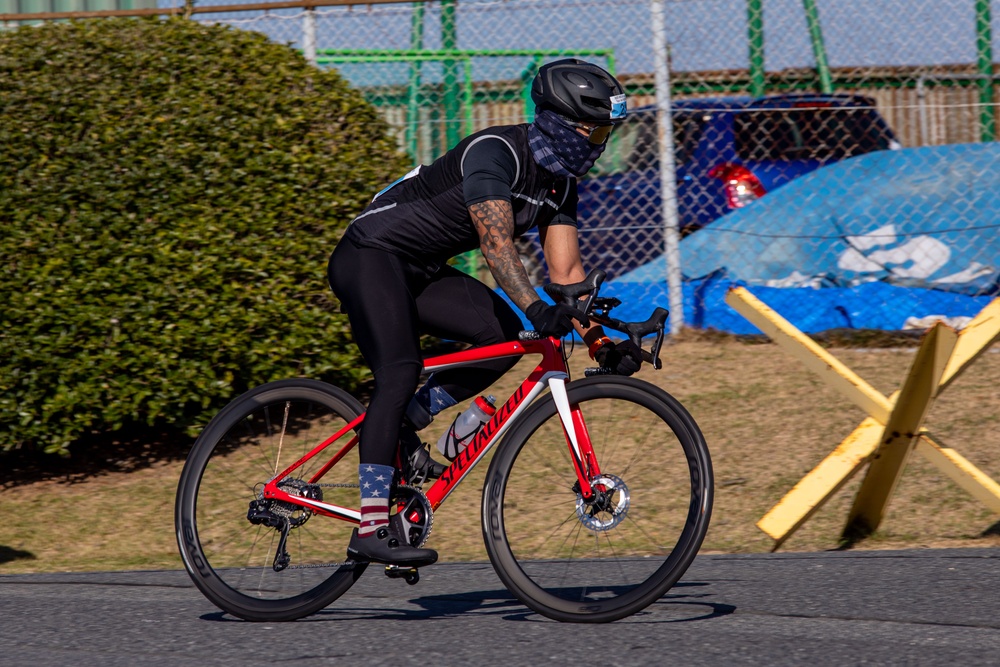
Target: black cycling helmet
(579, 91)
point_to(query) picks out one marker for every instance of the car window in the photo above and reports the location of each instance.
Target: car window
(809, 133)
(633, 144)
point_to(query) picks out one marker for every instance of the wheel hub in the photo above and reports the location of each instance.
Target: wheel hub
(607, 507)
(297, 514)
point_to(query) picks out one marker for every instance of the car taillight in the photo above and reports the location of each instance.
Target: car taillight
(741, 186)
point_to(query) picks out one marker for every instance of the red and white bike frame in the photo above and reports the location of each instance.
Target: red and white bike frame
(551, 372)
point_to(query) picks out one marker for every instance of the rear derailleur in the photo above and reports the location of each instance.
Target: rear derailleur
(283, 516)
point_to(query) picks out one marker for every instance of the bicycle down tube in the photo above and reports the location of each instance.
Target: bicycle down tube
(551, 371)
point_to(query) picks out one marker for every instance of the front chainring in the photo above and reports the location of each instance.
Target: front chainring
(413, 515)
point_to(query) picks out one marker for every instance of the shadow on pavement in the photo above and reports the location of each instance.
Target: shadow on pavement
(674, 607)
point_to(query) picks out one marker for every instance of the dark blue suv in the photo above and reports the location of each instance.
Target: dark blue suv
(729, 152)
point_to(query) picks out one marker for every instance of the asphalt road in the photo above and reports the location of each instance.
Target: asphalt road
(922, 607)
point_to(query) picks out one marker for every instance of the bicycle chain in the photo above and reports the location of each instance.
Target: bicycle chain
(314, 567)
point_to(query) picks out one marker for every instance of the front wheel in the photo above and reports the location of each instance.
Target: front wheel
(231, 539)
(603, 558)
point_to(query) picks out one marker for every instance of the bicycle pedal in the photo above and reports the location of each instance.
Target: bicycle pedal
(410, 574)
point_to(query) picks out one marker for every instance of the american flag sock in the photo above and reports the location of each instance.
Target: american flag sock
(375, 481)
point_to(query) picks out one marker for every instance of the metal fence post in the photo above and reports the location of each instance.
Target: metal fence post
(449, 41)
(668, 178)
(413, 85)
(309, 35)
(984, 65)
(819, 46)
(755, 36)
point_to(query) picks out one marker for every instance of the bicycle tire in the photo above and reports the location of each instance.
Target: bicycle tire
(229, 559)
(575, 562)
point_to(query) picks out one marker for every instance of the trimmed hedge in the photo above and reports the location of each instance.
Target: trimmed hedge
(169, 194)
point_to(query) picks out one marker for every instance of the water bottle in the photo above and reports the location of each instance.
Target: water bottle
(466, 425)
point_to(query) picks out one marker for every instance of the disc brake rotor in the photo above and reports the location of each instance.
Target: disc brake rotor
(608, 506)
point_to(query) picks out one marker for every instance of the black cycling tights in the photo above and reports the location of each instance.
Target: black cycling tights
(389, 303)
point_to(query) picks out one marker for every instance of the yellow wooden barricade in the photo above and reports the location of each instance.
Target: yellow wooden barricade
(893, 429)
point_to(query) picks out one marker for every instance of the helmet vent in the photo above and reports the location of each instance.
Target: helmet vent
(578, 80)
(596, 102)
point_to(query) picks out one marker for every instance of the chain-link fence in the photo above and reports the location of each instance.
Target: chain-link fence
(838, 156)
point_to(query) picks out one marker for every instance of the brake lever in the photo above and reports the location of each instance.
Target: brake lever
(654, 353)
(569, 295)
(636, 331)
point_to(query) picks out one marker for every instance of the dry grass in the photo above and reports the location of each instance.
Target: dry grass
(767, 420)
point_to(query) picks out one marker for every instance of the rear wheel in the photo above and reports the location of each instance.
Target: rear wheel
(230, 554)
(603, 558)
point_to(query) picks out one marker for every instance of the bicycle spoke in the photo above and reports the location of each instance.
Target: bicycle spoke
(281, 437)
(263, 566)
(642, 529)
(607, 425)
(617, 562)
(238, 478)
(568, 559)
(638, 449)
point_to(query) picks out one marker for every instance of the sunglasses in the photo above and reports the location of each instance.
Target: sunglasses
(596, 134)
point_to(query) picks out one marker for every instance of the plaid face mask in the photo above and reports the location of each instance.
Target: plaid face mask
(558, 147)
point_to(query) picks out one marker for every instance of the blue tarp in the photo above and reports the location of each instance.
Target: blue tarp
(864, 243)
(809, 310)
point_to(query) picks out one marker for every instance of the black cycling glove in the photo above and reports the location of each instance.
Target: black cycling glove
(557, 320)
(624, 357)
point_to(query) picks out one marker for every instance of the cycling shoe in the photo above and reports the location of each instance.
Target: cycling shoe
(385, 546)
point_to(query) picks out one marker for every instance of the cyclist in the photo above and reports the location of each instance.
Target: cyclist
(391, 275)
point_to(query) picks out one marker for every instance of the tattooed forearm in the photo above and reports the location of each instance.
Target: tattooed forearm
(494, 222)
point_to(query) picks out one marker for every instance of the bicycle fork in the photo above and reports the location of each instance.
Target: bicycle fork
(577, 437)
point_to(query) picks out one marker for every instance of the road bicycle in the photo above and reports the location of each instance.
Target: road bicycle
(595, 502)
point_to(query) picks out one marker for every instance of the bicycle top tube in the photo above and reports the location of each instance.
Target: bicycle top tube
(549, 348)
